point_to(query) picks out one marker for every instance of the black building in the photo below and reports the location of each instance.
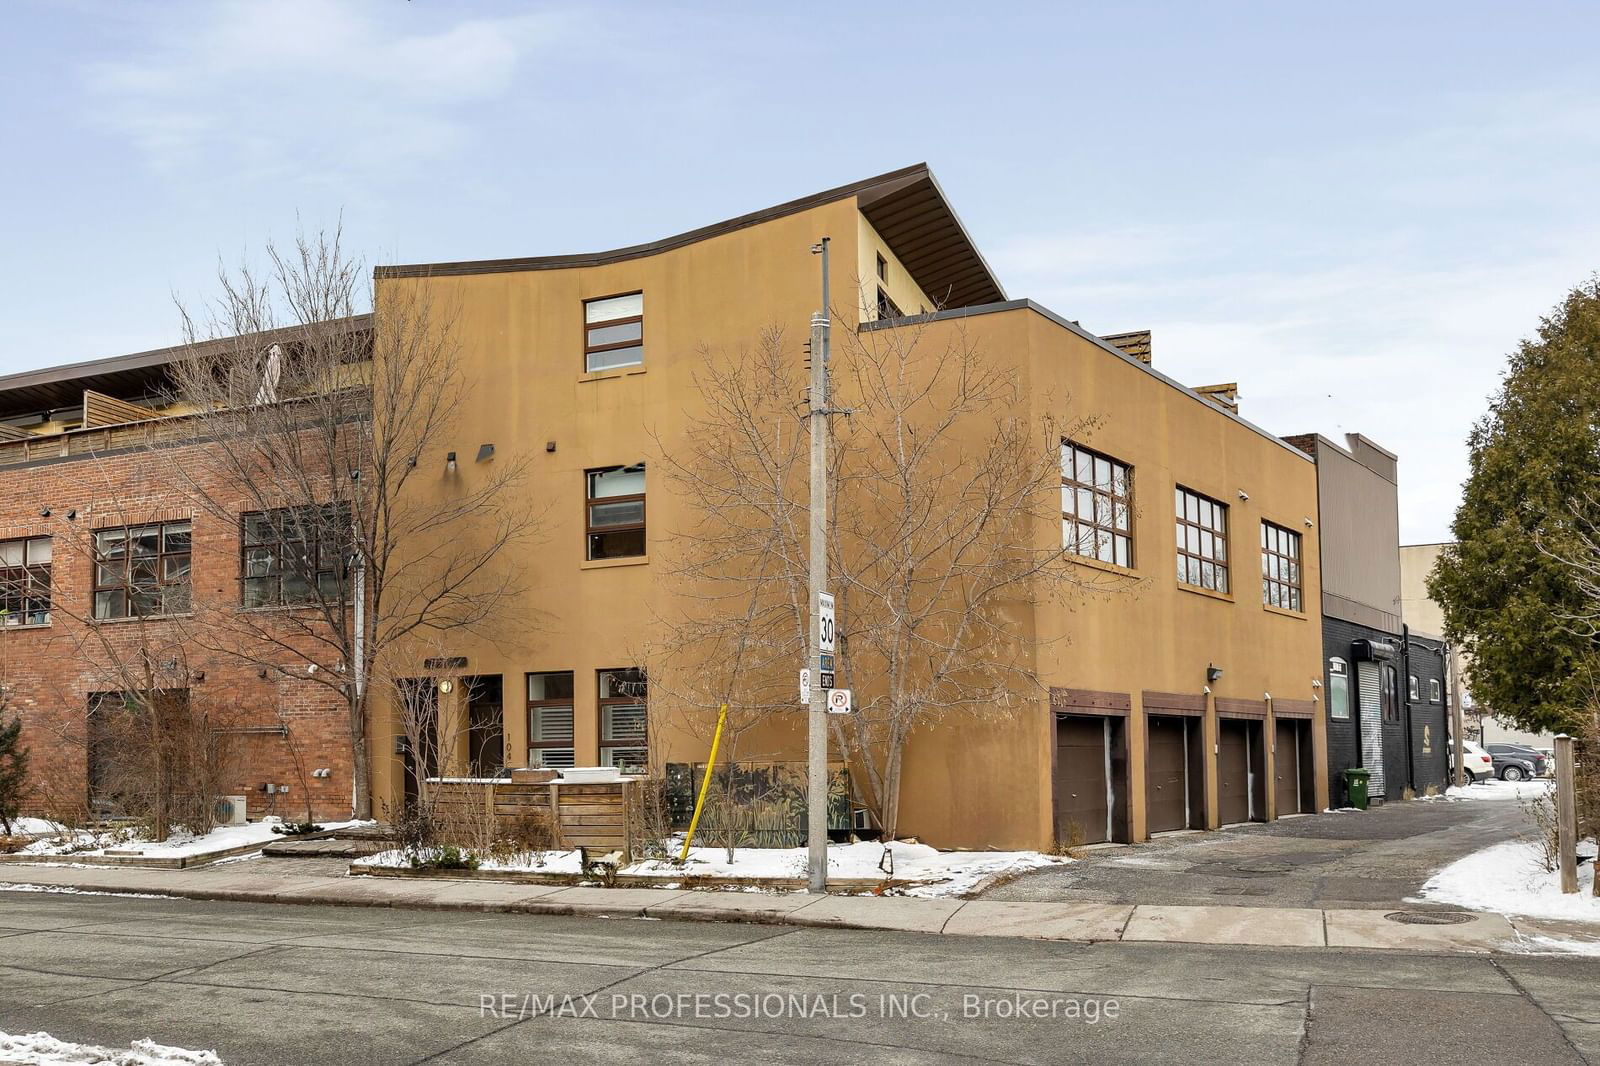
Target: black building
(1383, 687)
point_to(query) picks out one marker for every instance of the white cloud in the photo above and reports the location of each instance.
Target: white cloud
(309, 89)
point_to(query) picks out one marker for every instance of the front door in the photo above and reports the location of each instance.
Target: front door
(1083, 779)
(1167, 773)
(1287, 766)
(1238, 762)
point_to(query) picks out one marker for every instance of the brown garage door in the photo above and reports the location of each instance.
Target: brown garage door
(1167, 773)
(1233, 769)
(1287, 762)
(1083, 805)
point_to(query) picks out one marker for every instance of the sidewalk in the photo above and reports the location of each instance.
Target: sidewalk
(1085, 922)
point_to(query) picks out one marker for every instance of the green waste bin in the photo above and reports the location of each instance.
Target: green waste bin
(1355, 786)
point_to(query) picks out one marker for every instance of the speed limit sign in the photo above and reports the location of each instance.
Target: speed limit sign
(838, 701)
(824, 622)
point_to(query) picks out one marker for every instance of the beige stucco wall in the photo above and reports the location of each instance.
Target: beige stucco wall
(967, 784)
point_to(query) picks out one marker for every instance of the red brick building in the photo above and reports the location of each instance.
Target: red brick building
(108, 570)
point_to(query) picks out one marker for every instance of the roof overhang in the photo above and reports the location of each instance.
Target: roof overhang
(906, 207)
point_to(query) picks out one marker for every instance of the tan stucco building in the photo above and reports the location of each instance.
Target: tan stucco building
(1186, 696)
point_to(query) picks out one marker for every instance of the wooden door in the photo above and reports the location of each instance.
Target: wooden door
(1083, 779)
(1233, 770)
(1287, 767)
(1167, 773)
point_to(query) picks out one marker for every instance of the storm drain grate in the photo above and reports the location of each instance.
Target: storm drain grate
(1430, 917)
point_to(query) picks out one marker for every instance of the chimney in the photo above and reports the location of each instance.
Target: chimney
(1224, 396)
(1135, 345)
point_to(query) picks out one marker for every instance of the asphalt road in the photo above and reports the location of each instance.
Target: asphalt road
(1375, 859)
(264, 983)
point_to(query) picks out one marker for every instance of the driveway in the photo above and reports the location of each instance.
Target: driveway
(1376, 859)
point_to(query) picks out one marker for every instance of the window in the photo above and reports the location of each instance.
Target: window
(1202, 541)
(1338, 688)
(614, 517)
(142, 571)
(25, 582)
(883, 267)
(293, 556)
(550, 720)
(1435, 692)
(1389, 692)
(624, 732)
(1280, 568)
(1413, 689)
(486, 750)
(887, 308)
(613, 332)
(1096, 505)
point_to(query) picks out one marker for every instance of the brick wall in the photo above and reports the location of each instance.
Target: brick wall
(51, 670)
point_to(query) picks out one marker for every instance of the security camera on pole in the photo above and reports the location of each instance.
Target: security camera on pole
(817, 694)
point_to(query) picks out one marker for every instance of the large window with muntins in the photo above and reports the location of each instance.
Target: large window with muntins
(1202, 541)
(142, 571)
(293, 556)
(25, 582)
(1096, 505)
(1280, 568)
(550, 742)
(613, 332)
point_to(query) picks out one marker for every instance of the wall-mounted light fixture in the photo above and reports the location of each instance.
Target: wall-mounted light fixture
(44, 512)
(446, 686)
(1213, 673)
(485, 451)
(450, 462)
(549, 445)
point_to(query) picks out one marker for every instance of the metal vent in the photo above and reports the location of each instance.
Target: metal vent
(1431, 917)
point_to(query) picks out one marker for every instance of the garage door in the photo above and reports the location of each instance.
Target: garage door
(1083, 779)
(1288, 764)
(1167, 773)
(1233, 770)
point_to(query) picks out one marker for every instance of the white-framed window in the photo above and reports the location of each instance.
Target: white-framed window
(1202, 530)
(1435, 690)
(25, 582)
(550, 736)
(1338, 688)
(613, 332)
(1413, 689)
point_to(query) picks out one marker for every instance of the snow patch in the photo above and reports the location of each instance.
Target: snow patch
(1510, 878)
(68, 890)
(42, 1049)
(930, 872)
(180, 845)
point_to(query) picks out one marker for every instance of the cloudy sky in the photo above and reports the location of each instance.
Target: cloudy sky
(1353, 210)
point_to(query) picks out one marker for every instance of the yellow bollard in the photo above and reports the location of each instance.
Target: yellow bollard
(705, 783)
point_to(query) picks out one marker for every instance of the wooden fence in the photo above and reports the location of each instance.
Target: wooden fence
(602, 816)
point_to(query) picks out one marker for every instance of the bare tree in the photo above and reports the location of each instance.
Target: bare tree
(311, 420)
(946, 494)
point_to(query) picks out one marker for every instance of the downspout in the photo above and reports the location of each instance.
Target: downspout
(1405, 666)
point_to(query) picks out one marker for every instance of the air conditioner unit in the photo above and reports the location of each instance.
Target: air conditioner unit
(231, 810)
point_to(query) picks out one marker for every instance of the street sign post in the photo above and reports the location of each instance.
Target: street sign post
(839, 701)
(825, 627)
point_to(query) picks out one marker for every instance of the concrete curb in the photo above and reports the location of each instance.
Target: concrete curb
(1081, 923)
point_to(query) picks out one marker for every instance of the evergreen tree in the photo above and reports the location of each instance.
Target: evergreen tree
(13, 770)
(1507, 595)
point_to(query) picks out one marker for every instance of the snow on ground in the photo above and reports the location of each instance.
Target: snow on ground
(180, 845)
(32, 827)
(1496, 789)
(1510, 878)
(42, 1049)
(68, 890)
(934, 872)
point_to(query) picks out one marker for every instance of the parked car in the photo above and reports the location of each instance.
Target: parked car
(1516, 762)
(1478, 764)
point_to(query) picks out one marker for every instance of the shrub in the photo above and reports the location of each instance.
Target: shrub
(447, 857)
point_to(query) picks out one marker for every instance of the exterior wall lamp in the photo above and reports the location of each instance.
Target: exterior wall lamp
(1213, 673)
(450, 463)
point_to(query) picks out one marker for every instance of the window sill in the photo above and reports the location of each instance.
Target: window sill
(140, 618)
(612, 374)
(1096, 564)
(1300, 616)
(278, 608)
(1210, 594)
(30, 625)
(607, 564)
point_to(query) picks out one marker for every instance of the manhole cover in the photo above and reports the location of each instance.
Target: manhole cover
(1430, 917)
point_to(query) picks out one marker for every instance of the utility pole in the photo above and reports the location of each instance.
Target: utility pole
(817, 735)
